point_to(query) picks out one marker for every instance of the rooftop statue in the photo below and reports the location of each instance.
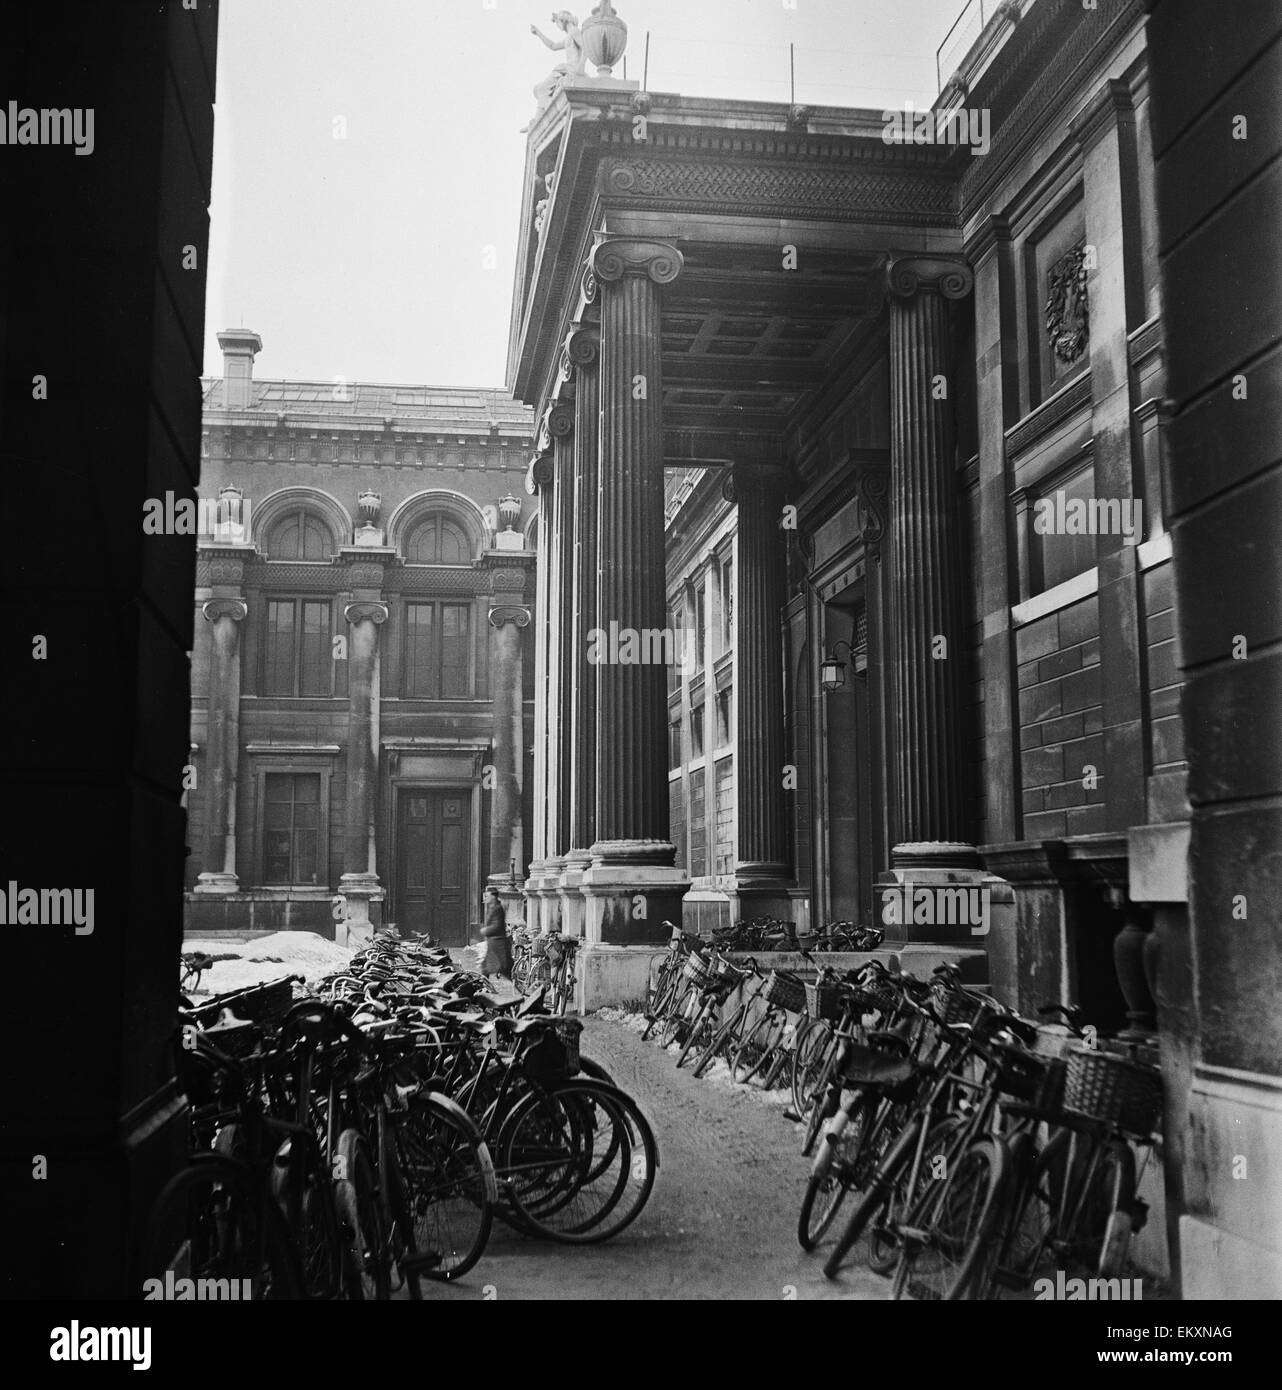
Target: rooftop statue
(575, 64)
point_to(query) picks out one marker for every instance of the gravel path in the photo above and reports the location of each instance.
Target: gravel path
(721, 1222)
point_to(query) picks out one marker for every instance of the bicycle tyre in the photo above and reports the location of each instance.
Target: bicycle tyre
(809, 1060)
(260, 1243)
(949, 1227)
(756, 1047)
(875, 1195)
(722, 1041)
(698, 1030)
(547, 1131)
(835, 1164)
(368, 1264)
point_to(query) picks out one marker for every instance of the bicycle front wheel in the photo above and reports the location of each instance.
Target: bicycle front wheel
(833, 1172)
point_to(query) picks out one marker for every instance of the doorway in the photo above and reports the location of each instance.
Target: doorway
(432, 863)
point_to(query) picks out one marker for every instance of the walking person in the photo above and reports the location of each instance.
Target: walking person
(498, 949)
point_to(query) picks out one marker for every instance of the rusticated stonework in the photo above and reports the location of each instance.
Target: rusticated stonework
(776, 190)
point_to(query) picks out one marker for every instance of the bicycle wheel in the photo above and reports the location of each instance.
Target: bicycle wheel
(550, 1148)
(757, 1047)
(883, 1229)
(664, 997)
(833, 1172)
(809, 1060)
(724, 1040)
(401, 1241)
(880, 1185)
(450, 1179)
(212, 1219)
(677, 1020)
(951, 1224)
(302, 1187)
(699, 1030)
(368, 1258)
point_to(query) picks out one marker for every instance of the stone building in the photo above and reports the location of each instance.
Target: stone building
(359, 677)
(888, 389)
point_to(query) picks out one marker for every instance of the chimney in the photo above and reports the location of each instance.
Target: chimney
(239, 346)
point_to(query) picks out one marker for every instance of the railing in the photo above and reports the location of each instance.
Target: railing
(966, 28)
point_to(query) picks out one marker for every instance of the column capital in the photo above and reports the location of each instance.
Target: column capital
(946, 275)
(583, 345)
(367, 610)
(557, 423)
(540, 473)
(509, 613)
(616, 257)
(753, 477)
(233, 608)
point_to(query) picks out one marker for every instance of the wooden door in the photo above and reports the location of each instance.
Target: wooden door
(432, 864)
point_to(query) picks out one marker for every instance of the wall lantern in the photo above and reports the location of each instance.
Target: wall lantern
(832, 672)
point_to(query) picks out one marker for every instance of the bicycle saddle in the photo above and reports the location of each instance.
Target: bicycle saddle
(864, 1067)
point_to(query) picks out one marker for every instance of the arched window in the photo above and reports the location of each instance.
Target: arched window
(437, 541)
(299, 535)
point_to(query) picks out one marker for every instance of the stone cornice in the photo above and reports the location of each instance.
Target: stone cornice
(992, 232)
(233, 608)
(1052, 412)
(616, 257)
(907, 275)
(509, 613)
(1111, 104)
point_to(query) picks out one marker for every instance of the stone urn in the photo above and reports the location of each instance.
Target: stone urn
(370, 504)
(509, 512)
(605, 36)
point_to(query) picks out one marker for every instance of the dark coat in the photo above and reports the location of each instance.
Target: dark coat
(498, 950)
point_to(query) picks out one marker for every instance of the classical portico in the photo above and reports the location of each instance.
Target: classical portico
(698, 273)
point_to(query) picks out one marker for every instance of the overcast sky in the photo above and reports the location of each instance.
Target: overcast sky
(364, 257)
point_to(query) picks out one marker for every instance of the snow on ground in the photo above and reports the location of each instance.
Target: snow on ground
(718, 1074)
(265, 958)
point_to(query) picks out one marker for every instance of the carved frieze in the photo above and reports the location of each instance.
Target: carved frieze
(868, 194)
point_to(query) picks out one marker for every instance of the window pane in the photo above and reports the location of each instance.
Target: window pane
(454, 651)
(284, 542)
(314, 671)
(696, 732)
(315, 540)
(419, 668)
(452, 548)
(1063, 555)
(291, 835)
(422, 547)
(278, 665)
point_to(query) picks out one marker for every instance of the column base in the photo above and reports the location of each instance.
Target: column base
(628, 903)
(512, 898)
(758, 892)
(570, 892)
(543, 902)
(614, 976)
(358, 891)
(939, 892)
(217, 883)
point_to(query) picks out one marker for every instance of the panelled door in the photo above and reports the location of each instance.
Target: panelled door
(432, 863)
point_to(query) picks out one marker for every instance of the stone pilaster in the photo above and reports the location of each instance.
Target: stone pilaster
(538, 485)
(359, 883)
(225, 616)
(506, 683)
(561, 418)
(761, 867)
(632, 886)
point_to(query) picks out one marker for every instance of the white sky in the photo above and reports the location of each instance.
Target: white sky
(363, 258)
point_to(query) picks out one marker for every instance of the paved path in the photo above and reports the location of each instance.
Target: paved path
(721, 1222)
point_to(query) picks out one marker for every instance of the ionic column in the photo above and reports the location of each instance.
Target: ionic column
(926, 582)
(537, 484)
(561, 666)
(359, 882)
(762, 852)
(632, 885)
(507, 678)
(219, 875)
(583, 349)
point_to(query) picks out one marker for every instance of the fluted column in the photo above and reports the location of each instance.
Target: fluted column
(359, 882)
(225, 616)
(583, 350)
(632, 885)
(507, 680)
(537, 484)
(561, 419)
(632, 792)
(762, 853)
(926, 581)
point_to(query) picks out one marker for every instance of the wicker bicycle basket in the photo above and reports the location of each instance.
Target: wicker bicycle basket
(538, 945)
(568, 1030)
(1113, 1089)
(881, 996)
(959, 1006)
(785, 991)
(1019, 1073)
(264, 1004)
(826, 998)
(697, 969)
